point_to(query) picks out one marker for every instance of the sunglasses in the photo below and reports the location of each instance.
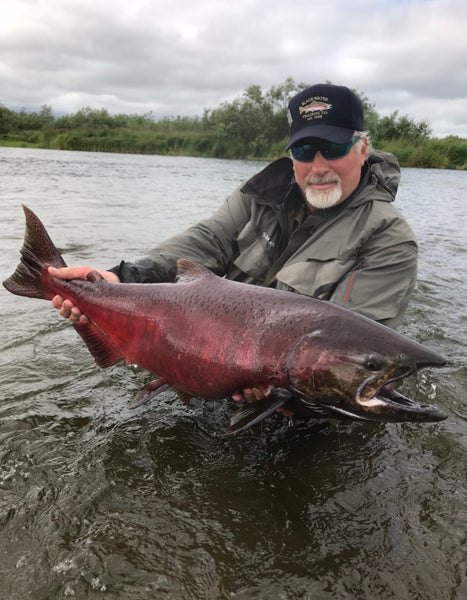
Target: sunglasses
(330, 150)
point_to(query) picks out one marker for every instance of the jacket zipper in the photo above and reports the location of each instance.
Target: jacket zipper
(359, 267)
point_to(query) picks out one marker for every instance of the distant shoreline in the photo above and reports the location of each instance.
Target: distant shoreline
(446, 153)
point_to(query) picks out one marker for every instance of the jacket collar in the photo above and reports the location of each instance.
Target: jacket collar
(272, 183)
(275, 184)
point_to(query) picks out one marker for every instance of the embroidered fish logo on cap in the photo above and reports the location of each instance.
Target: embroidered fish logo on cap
(314, 106)
(326, 111)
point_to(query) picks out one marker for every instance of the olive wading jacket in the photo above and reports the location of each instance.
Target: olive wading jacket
(360, 254)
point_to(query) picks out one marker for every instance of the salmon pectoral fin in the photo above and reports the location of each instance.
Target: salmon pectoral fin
(150, 391)
(257, 411)
(104, 353)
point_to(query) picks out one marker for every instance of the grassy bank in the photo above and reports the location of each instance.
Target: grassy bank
(446, 153)
(130, 142)
(252, 126)
(189, 143)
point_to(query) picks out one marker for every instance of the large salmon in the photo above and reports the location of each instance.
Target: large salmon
(209, 337)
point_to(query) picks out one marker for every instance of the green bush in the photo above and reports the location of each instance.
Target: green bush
(251, 126)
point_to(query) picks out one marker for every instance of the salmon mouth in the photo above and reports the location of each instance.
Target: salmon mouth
(383, 403)
(376, 386)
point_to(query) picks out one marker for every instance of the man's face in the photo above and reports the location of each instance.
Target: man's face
(325, 183)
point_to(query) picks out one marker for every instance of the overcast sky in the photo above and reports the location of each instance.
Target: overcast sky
(178, 57)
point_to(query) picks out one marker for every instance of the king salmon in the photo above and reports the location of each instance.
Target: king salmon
(209, 337)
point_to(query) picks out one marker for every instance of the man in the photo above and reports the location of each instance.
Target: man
(321, 223)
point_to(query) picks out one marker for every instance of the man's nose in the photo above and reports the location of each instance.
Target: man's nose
(319, 163)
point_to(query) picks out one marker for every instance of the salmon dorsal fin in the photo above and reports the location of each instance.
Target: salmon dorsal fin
(187, 270)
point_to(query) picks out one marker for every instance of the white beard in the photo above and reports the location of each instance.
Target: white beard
(323, 198)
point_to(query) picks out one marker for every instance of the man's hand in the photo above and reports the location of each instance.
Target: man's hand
(66, 307)
(254, 394)
(251, 394)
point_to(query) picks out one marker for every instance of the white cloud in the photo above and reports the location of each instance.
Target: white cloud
(181, 57)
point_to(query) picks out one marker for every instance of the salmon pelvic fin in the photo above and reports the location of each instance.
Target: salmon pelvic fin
(38, 252)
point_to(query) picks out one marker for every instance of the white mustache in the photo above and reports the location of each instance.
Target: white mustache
(320, 180)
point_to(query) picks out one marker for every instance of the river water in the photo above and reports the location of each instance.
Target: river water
(97, 501)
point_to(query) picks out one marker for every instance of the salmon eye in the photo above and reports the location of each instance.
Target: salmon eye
(373, 363)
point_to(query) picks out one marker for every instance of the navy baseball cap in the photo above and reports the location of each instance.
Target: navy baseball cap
(325, 111)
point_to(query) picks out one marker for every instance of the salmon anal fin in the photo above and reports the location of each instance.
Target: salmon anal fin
(104, 353)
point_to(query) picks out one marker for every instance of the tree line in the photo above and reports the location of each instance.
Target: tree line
(253, 126)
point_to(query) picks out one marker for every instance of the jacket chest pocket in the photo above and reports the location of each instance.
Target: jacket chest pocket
(255, 251)
(317, 276)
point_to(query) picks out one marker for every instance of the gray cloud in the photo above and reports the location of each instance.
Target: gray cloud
(181, 57)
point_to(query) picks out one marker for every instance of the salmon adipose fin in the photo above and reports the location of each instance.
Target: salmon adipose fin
(37, 254)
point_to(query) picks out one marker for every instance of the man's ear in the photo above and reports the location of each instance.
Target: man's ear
(363, 150)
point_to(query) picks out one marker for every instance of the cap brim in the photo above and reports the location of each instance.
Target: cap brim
(339, 135)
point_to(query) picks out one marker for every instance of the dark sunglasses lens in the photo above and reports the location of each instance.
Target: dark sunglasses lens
(329, 150)
(304, 153)
(332, 150)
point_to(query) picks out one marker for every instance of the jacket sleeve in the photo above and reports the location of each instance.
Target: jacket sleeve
(210, 243)
(381, 284)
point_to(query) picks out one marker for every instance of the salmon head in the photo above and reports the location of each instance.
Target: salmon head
(331, 371)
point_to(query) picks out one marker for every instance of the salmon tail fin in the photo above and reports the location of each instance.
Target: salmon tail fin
(31, 277)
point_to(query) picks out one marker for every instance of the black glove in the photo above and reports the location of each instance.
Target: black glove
(145, 270)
